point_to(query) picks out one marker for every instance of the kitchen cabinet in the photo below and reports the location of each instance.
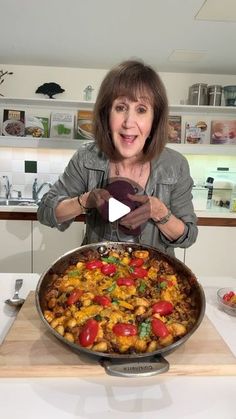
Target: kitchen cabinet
(213, 253)
(28, 246)
(48, 244)
(15, 255)
(187, 112)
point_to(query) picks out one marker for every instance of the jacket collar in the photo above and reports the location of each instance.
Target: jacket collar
(161, 169)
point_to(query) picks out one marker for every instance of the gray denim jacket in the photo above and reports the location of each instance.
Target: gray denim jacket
(169, 180)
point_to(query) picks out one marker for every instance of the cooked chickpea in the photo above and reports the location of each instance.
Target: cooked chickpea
(49, 316)
(142, 254)
(140, 310)
(54, 323)
(71, 323)
(152, 346)
(52, 302)
(100, 347)
(60, 329)
(68, 336)
(177, 329)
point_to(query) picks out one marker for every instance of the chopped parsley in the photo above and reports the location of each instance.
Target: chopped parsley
(144, 329)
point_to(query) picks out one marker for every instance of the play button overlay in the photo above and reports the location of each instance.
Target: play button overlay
(116, 209)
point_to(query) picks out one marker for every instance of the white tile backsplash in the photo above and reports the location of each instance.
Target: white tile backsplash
(18, 166)
(43, 166)
(50, 164)
(5, 165)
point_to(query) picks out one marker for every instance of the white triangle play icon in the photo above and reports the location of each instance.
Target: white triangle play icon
(116, 209)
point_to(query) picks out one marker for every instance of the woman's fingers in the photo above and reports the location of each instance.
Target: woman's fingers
(137, 217)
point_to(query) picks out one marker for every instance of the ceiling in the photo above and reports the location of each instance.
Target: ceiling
(101, 33)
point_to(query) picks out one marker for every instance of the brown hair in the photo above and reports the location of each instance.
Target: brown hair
(131, 78)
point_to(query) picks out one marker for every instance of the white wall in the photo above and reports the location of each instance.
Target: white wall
(26, 79)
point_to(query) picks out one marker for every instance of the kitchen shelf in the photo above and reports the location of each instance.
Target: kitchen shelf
(55, 143)
(206, 110)
(46, 103)
(186, 111)
(40, 143)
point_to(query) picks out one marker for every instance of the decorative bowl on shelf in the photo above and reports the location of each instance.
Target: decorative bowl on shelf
(227, 300)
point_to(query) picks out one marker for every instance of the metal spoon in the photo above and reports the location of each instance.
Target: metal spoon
(16, 301)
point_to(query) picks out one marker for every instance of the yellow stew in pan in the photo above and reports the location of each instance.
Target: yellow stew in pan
(121, 303)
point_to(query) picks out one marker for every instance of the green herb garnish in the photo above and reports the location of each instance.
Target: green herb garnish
(111, 288)
(111, 259)
(144, 329)
(74, 273)
(142, 286)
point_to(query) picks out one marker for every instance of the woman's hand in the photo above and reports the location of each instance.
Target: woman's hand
(150, 207)
(97, 198)
(153, 208)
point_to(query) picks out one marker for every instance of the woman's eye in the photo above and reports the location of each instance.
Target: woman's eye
(141, 109)
(120, 108)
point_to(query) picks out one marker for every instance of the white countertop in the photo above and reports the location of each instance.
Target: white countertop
(18, 208)
(112, 397)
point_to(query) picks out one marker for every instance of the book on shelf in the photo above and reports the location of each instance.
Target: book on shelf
(36, 126)
(84, 125)
(13, 123)
(174, 131)
(62, 125)
(196, 132)
(223, 132)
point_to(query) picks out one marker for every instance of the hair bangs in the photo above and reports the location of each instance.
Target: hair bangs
(133, 89)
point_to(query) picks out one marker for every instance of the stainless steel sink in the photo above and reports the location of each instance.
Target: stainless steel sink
(17, 202)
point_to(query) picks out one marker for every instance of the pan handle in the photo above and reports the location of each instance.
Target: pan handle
(142, 368)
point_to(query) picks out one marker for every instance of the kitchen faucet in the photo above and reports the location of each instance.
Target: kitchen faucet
(37, 189)
(7, 187)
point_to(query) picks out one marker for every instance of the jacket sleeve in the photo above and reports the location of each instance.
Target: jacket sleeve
(70, 184)
(182, 207)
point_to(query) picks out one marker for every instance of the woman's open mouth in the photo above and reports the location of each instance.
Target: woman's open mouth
(128, 138)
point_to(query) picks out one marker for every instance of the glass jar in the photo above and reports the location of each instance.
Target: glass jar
(214, 94)
(198, 94)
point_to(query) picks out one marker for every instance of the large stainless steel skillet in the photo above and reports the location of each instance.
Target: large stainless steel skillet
(128, 365)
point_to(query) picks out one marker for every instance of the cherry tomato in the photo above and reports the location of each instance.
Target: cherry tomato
(228, 296)
(102, 300)
(139, 272)
(74, 297)
(88, 332)
(108, 269)
(125, 329)
(94, 264)
(163, 307)
(136, 262)
(125, 281)
(159, 328)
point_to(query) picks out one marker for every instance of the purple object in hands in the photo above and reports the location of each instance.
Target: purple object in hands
(119, 190)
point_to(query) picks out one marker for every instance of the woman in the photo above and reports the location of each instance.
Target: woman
(131, 130)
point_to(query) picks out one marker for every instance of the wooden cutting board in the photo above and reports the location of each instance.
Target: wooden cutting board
(29, 350)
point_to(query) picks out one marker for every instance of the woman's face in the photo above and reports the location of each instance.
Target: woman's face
(130, 124)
